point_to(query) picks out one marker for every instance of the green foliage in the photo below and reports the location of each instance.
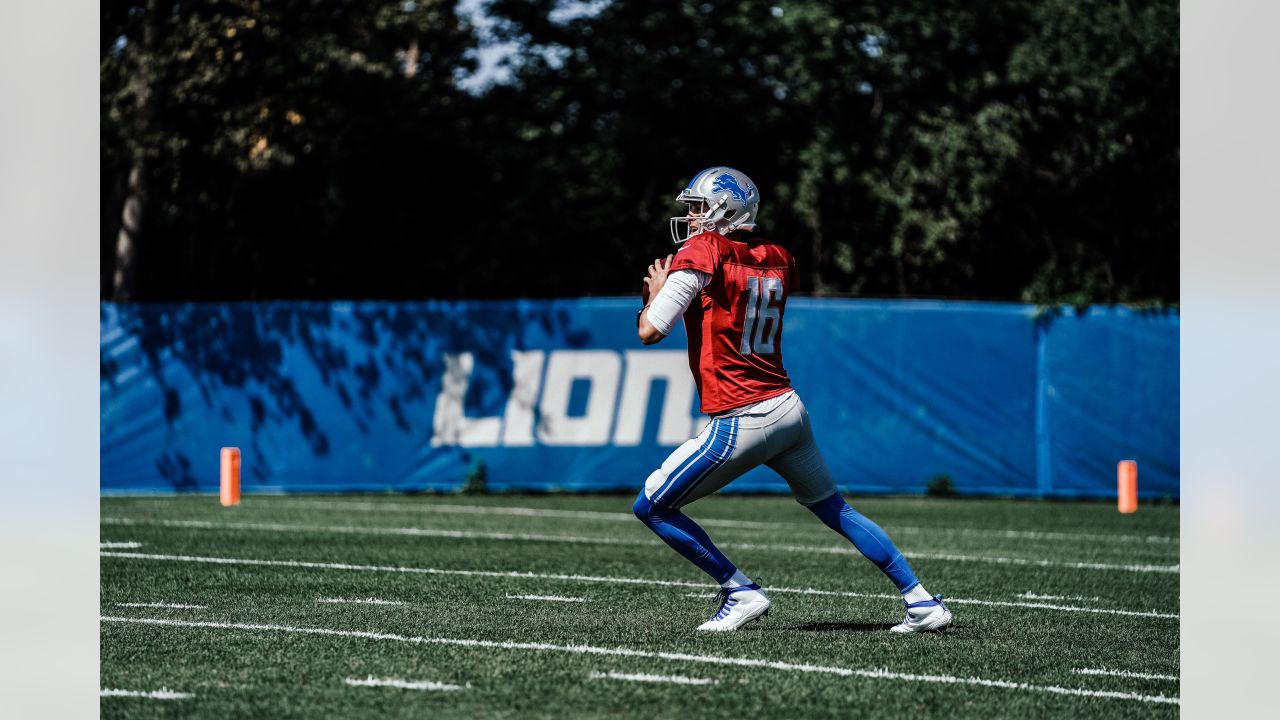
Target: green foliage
(1012, 149)
(941, 486)
(476, 481)
(266, 128)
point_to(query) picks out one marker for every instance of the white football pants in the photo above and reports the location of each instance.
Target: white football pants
(729, 446)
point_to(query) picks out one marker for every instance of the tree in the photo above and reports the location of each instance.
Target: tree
(243, 128)
(915, 148)
(1011, 149)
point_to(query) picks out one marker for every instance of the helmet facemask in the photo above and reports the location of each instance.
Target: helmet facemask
(699, 218)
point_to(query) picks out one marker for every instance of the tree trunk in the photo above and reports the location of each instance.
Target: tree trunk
(411, 60)
(124, 279)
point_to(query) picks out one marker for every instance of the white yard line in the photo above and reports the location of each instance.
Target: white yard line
(597, 540)
(1124, 674)
(548, 598)
(511, 511)
(713, 522)
(1077, 598)
(641, 677)
(161, 694)
(1172, 569)
(365, 530)
(990, 603)
(879, 674)
(119, 545)
(845, 550)
(359, 601)
(603, 579)
(1040, 535)
(172, 606)
(372, 681)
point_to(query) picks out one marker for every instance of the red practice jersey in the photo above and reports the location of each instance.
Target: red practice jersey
(735, 324)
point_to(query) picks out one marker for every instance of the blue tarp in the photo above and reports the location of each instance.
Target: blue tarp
(560, 395)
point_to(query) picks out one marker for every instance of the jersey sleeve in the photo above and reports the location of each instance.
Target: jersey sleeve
(700, 252)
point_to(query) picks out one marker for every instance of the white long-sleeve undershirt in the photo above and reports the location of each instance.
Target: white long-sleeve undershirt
(673, 299)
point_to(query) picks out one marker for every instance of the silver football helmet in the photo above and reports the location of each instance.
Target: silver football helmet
(720, 199)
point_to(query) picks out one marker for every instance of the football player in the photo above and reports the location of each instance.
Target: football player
(731, 286)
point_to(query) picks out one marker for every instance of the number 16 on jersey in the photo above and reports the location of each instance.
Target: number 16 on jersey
(764, 315)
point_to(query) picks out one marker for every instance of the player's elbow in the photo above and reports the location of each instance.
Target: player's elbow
(648, 333)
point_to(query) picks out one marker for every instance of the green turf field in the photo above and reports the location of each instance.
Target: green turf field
(448, 587)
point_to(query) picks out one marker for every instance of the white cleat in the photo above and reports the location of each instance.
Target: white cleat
(924, 616)
(738, 606)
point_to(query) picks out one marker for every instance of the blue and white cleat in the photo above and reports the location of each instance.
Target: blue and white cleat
(924, 616)
(738, 606)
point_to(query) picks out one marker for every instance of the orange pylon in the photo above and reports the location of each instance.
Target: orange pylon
(1127, 486)
(230, 486)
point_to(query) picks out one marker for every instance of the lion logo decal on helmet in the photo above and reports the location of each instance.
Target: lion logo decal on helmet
(727, 182)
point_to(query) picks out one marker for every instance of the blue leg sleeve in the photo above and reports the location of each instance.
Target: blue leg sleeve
(868, 538)
(685, 537)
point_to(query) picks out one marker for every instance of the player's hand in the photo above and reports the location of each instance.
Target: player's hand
(657, 278)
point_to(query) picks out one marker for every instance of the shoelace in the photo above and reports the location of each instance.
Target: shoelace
(937, 601)
(726, 599)
(725, 596)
